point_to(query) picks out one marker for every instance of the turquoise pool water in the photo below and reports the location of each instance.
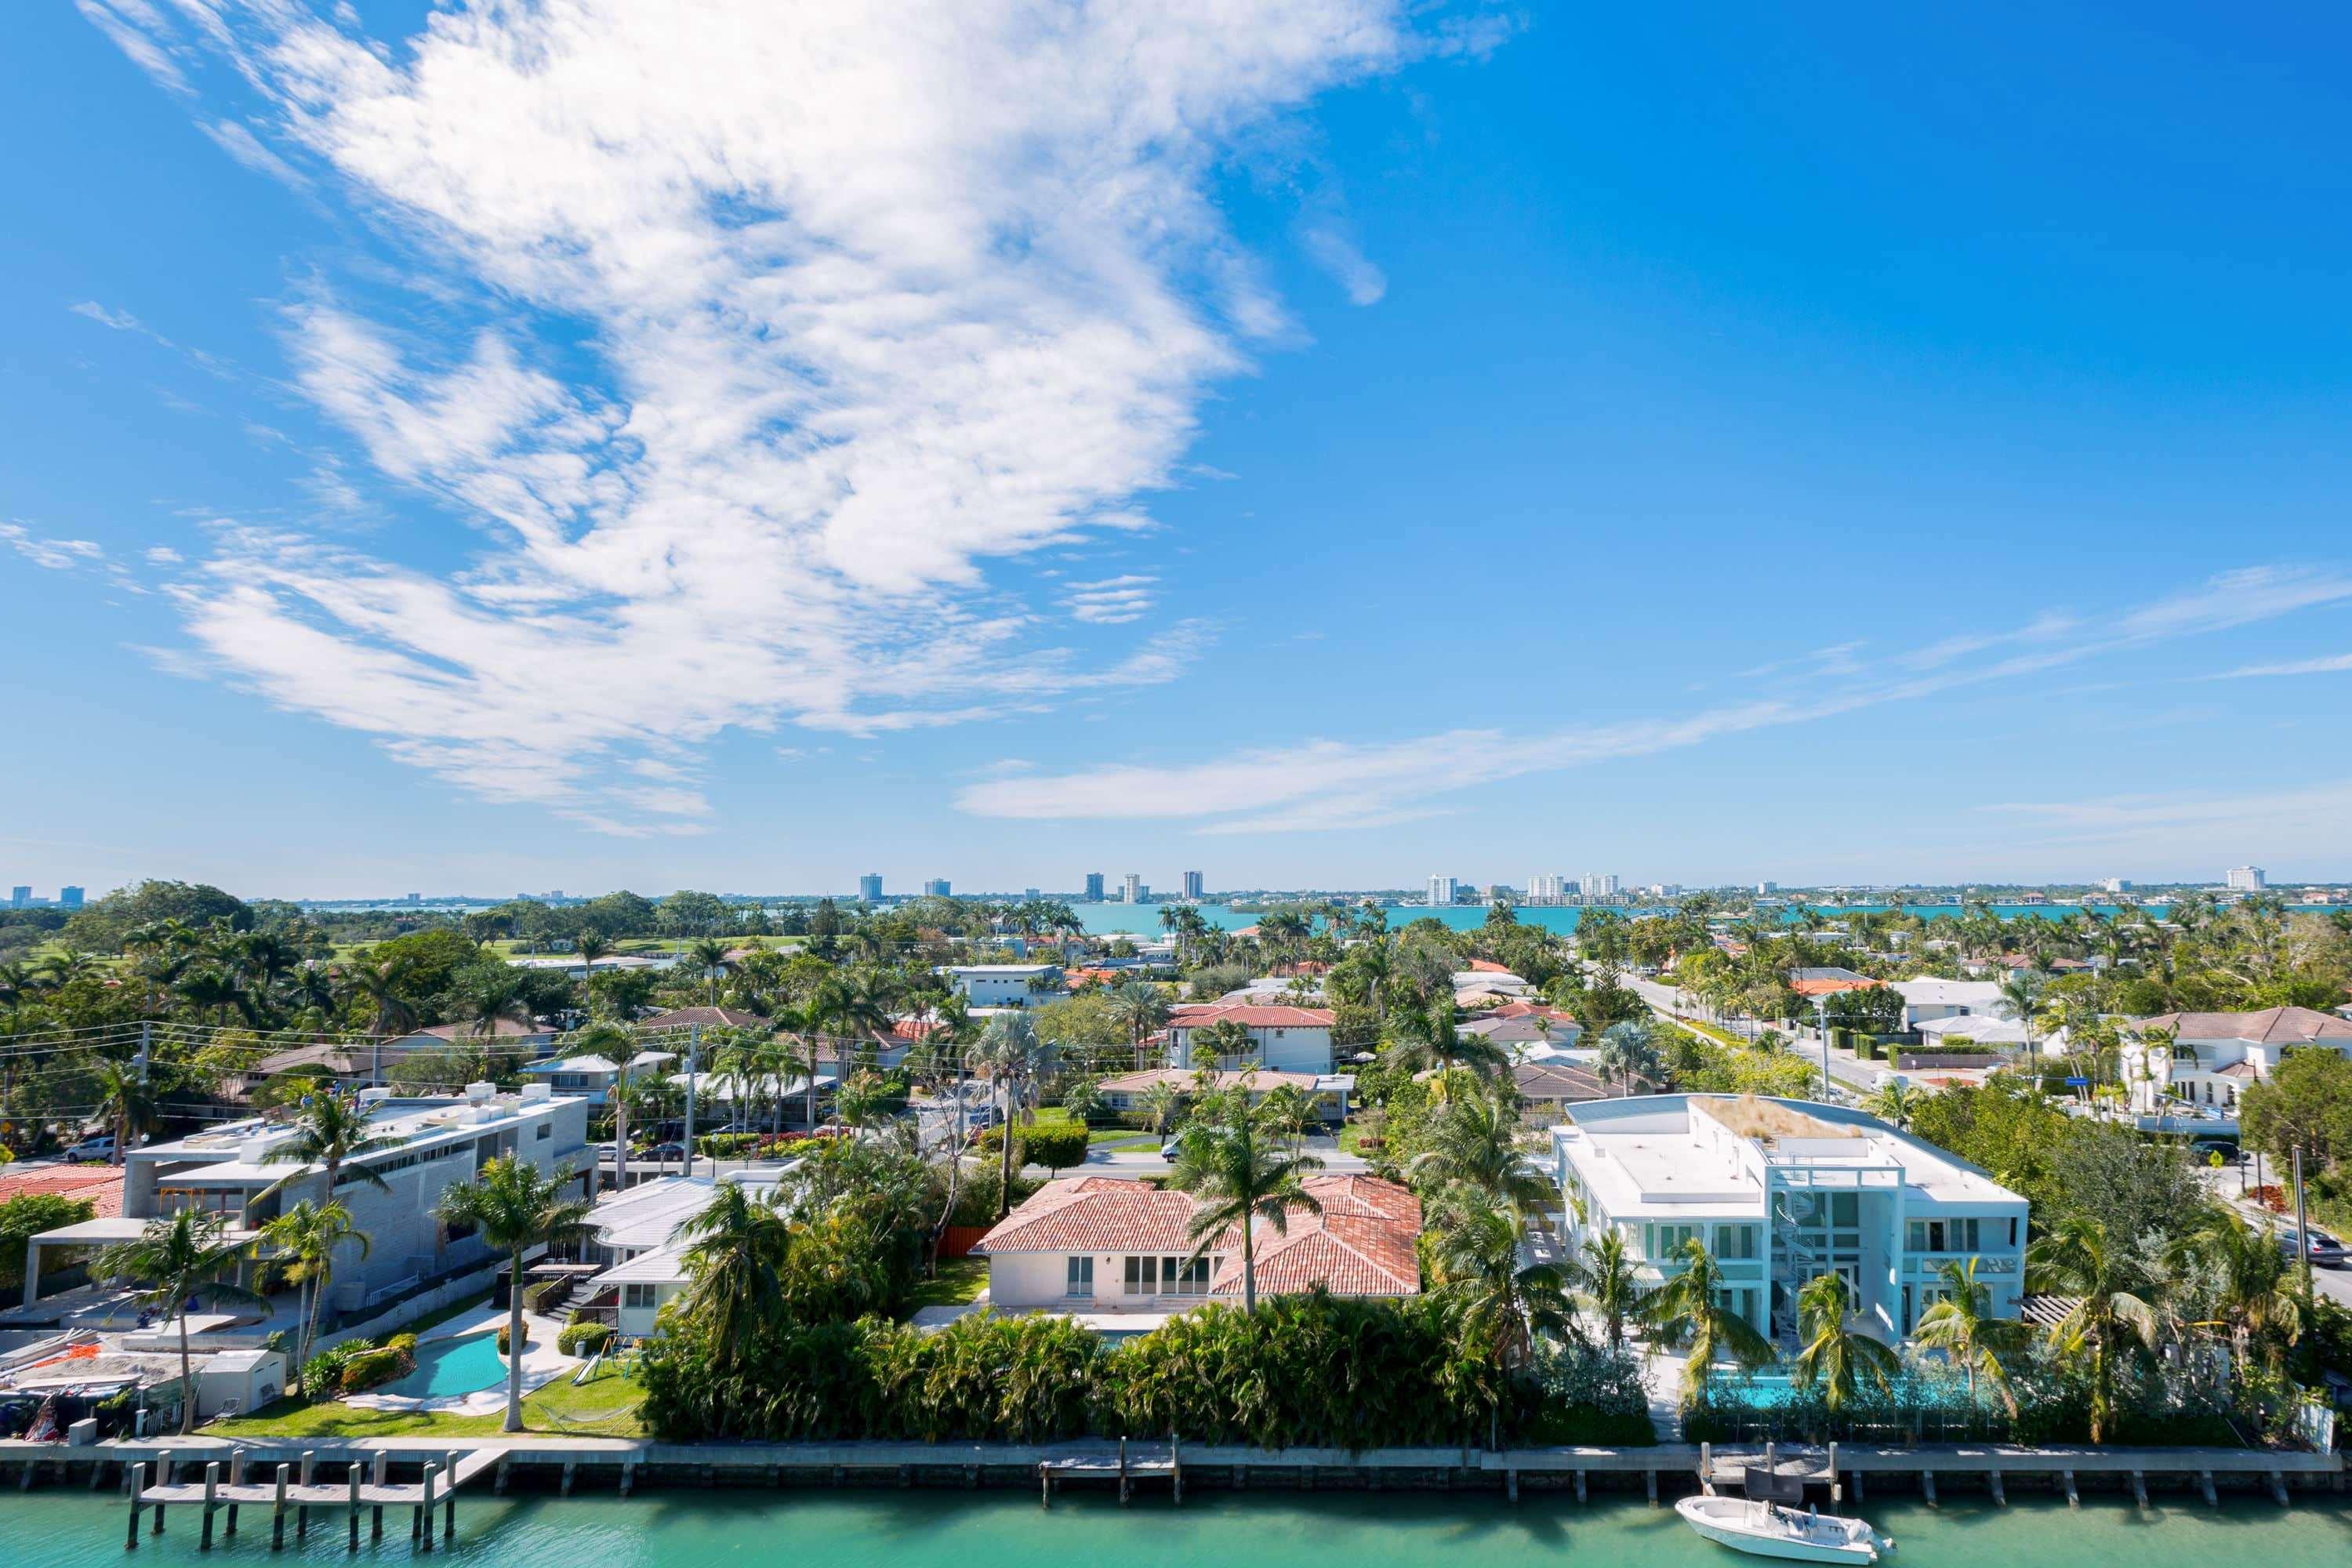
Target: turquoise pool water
(890, 1529)
(452, 1366)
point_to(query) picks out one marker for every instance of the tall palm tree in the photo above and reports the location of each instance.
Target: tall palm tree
(2112, 1318)
(1688, 1315)
(591, 944)
(175, 1256)
(736, 1247)
(1610, 1281)
(331, 1132)
(2020, 1002)
(1963, 1327)
(1141, 1007)
(1008, 1054)
(2247, 1272)
(1240, 1174)
(307, 1236)
(1474, 1147)
(1505, 1304)
(1836, 1354)
(1628, 1051)
(710, 955)
(126, 1098)
(1423, 1039)
(515, 1207)
(1893, 1102)
(380, 985)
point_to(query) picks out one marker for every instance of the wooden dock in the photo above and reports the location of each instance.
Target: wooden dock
(297, 1488)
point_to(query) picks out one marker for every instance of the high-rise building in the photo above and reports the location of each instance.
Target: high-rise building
(1193, 884)
(1030, 894)
(20, 897)
(2118, 884)
(869, 886)
(2247, 879)
(69, 898)
(1599, 885)
(1134, 888)
(937, 888)
(1094, 887)
(1441, 891)
(1764, 887)
(1547, 887)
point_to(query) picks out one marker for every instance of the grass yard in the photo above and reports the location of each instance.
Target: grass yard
(1351, 1137)
(960, 1282)
(604, 1407)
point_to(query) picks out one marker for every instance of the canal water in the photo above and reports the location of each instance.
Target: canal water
(691, 1528)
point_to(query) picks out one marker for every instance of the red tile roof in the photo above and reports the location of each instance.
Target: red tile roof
(102, 1185)
(1261, 1078)
(709, 1017)
(1094, 1213)
(1827, 987)
(1250, 1016)
(1487, 967)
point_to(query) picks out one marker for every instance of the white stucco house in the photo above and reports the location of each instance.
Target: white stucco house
(1926, 997)
(637, 1235)
(1281, 1037)
(1007, 984)
(2215, 1057)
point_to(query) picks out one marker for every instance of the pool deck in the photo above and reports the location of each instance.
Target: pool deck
(542, 1363)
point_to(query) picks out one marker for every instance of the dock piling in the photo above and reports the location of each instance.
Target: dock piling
(2073, 1498)
(1993, 1484)
(1707, 1468)
(2139, 1488)
(380, 1474)
(1651, 1477)
(1579, 1486)
(212, 1486)
(351, 1485)
(1927, 1486)
(1837, 1492)
(2278, 1488)
(302, 1508)
(278, 1512)
(138, 1485)
(2205, 1485)
(425, 1508)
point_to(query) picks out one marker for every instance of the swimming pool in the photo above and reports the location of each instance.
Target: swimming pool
(449, 1367)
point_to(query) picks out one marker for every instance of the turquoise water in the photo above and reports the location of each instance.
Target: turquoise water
(1106, 920)
(687, 1529)
(452, 1366)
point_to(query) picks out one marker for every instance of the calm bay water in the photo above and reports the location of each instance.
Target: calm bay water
(1108, 920)
(1006, 1530)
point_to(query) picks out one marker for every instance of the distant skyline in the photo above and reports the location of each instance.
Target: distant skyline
(1345, 439)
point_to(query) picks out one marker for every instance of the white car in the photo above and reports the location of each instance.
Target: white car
(99, 1146)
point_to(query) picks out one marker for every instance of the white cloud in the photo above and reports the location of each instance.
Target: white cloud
(874, 298)
(240, 144)
(120, 320)
(164, 555)
(1325, 784)
(1113, 600)
(1334, 249)
(2332, 665)
(55, 554)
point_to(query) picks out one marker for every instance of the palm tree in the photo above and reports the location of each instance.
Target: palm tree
(1893, 1101)
(1962, 1326)
(515, 1207)
(1240, 1175)
(1008, 1053)
(1425, 1039)
(1141, 1008)
(1611, 1282)
(307, 1236)
(1475, 1147)
(1836, 1354)
(592, 945)
(127, 1099)
(736, 1248)
(2110, 1319)
(382, 985)
(1504, 1303)
(331, 1130)
(176, 1256)
(710, 955)
(1688, 1313)
(2020, 1002)
(1628, 1050)
(2248, 1273)
(1161, 1103)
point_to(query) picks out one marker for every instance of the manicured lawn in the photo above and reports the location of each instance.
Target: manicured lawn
(1120, 1138)
(1351, 1138)
(960, 1282)
(605, 1407)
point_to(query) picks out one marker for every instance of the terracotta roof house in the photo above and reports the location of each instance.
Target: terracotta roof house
(1827, 982)
(1105, 1244)
(1125, 1091)
(707, 1018)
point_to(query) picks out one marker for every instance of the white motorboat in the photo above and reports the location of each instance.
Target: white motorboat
(1766, 1529)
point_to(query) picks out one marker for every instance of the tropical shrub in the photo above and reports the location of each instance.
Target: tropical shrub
(369, 1368)
(584, 1340)
(323, 1373)
(1056, 1146)
(505, 1344)
(728, 1145)
(28, 1215)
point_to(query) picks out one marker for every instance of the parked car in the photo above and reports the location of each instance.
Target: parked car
(99, 1146)
(2326, 1250)
(2201, 1150)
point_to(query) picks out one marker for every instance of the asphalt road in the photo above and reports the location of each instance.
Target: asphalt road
(1845, 1070)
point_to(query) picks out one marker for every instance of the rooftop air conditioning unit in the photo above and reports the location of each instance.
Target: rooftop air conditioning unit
(480, 1093)
(375, 1095)
(535, 1093)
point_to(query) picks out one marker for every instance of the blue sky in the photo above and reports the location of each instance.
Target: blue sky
(1318, 443)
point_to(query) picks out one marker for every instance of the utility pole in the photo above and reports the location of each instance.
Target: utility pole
(2301, 1227)
(1821, 1018)
(121, 1148)
(693, 1062)
(621, 1123)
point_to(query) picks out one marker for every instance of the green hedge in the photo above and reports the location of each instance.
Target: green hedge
(504, 1342)
(584, 1340)
(539, 1297)
(1056, 1146)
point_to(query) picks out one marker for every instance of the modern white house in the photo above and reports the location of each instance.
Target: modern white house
(1281, 1037)
(2214, 1056)
(637, 1235)
(1781, 1190)
(1926, 997)
(591, 1078)
(1007, 984)
(431, 1145)
(1106, 1245)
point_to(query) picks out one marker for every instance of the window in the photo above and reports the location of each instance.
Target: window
(1735, 1241)
(546, 1131)
(1143, 1276)
(1845, 1210)
(1666, 1240)
(1944, 1235)
(1081, 1277)
(1180, 1277)
(639, 1296)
